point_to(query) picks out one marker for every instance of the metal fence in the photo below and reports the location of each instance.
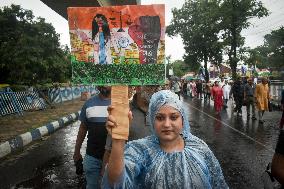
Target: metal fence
(17, 102)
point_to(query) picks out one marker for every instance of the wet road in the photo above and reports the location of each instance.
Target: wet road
(45, 164)
(243, 148)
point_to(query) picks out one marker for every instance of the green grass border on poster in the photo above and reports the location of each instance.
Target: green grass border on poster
(118, 74)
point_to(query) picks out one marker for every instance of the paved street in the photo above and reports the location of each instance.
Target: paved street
(243, 147)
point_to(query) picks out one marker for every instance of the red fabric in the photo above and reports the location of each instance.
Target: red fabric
(217, 94)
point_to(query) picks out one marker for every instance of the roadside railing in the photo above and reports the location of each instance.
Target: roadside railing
(18, 102)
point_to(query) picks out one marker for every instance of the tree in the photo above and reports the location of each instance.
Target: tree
(235, 18)
(257, 57)
(198, 23)
(192, 63)
(274, 45)
(180, 68)
(270, 54)
(30, 49)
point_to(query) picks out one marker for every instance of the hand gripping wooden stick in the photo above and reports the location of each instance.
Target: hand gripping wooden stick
(119, 100)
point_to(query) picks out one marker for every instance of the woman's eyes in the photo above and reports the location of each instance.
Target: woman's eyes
(160, 118)
(172, 117)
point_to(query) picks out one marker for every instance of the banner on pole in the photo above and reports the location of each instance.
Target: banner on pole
(118, 44)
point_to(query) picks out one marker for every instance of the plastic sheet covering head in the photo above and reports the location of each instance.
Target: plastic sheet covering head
(166, 97)
(148, 166)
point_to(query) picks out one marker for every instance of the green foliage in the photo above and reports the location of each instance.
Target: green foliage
(180, 68)
(274, 45)
(17, 88)
(270, 54)
(235, 17)
(125, 74)
(257, 57)
(30, 52)
(193, 65)
(212, 28)
(198, 23)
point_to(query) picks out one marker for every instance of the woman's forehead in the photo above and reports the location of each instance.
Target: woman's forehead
(167, 109)
(98, 19)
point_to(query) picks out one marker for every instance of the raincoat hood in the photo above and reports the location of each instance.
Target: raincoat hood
(166, 97)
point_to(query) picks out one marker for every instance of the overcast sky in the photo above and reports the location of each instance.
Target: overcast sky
(174, 47)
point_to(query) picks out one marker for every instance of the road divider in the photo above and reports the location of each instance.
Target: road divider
(18, 143)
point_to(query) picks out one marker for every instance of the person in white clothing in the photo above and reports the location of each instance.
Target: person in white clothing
(226, 91)
(222, 83)
(177, 87)
(189, 88)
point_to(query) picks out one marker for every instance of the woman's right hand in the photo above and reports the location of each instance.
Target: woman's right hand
(116, 159)
(111, 120)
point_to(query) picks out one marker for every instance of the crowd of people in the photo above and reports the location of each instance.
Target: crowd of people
(244, 92)
(160, 151)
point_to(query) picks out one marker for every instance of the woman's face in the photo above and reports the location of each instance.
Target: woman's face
(168, 123)
(99, 21)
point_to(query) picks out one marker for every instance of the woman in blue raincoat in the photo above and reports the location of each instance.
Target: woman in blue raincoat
(170, 158)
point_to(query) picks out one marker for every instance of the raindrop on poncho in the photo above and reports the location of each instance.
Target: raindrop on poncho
(147, 166)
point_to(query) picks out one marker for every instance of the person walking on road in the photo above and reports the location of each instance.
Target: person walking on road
(139, 108)
(226, 91)
(93, 120)
(208, 89)
(177, 88)
(167, 85)
(262, 98)
(170, 158)
(222, 82)
(199, 89)
(189, 88)
(217, 96)
(238, 94)
(249, 98)
(193, 89)
(184, 86)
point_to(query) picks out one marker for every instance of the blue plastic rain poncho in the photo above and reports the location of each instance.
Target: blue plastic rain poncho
(147, 166)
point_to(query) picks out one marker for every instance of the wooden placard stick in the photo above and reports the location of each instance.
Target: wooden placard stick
(119, 100)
